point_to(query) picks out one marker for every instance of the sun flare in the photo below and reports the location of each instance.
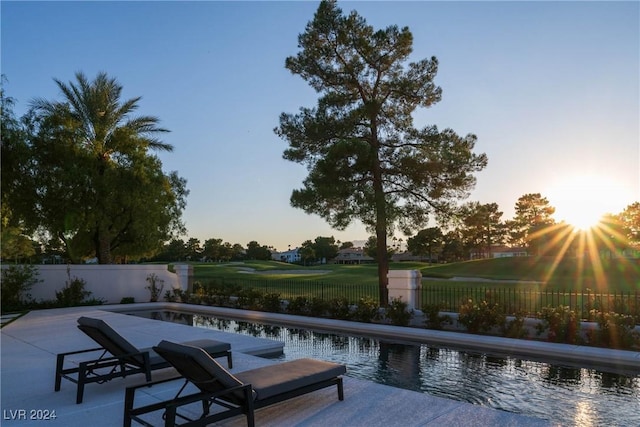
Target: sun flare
(582, 200)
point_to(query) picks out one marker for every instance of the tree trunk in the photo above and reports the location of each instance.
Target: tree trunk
(103, 247)
(381, 235)
(383, 266)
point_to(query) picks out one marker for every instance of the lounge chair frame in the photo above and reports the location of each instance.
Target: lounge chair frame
(238, 400)
(119, 359)
(87, 372)
(171, 406)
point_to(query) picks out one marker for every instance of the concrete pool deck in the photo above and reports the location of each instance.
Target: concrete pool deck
(29, 344)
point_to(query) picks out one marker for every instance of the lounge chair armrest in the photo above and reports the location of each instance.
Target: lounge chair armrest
(80, 351)
(61, 356)
(111, 359)
(152, 383)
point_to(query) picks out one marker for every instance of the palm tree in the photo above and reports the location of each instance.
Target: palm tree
(102, 125)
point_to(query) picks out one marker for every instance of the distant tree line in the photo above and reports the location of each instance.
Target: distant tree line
(475, 232)
(216, 250)
(479, 229)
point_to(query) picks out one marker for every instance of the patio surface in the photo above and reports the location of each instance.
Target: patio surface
(30, 343)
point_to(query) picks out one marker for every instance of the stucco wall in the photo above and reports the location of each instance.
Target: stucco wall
(110, 282)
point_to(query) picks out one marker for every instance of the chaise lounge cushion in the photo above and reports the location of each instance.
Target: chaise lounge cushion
(210, 346)
(109, 339)
(205, 373)
(277, 379)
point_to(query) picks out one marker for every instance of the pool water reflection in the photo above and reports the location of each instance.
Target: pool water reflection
(565, 395)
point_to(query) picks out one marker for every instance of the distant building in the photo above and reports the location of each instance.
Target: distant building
(506, 252)
(498, 251)
(291, 256)
(352, 256)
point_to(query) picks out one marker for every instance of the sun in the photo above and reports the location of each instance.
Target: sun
(582, 200)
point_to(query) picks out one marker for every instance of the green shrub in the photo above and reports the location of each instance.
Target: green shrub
(249, 299)
(176, 295)
(155, 286)
(561, 323)
(366, 311)
(127, 300)
(397, 313)
(339, 308)
(73, 293)
(17, 281)
(318, 307)
(199, 295)
(299, 305)
(614, 331)
(481, 317)
(433, 319)
(220, 293)
(271, 303)
(514, 328)
(222, 301)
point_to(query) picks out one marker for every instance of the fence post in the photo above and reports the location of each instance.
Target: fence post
(185, 276)
(405, 285)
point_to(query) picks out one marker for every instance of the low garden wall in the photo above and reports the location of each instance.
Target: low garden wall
(111, 282)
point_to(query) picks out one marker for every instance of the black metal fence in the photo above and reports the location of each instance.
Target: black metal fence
(290, 289)
(531, 302)
(449, 298)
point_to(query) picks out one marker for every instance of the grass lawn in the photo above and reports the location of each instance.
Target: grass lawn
(363, 274)
(618, 274)
(320, 280)
(566, 274)
(274, 270)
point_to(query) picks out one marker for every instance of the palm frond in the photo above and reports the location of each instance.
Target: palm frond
(103, 120)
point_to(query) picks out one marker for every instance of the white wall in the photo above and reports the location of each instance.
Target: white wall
(110, 282)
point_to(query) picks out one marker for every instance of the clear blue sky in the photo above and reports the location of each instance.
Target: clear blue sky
(551, 89)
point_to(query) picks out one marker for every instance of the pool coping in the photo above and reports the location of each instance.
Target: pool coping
(617, 361)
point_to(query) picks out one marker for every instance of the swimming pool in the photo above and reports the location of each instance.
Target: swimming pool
(566, 395)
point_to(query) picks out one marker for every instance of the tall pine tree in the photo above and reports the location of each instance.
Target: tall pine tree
(365, 158)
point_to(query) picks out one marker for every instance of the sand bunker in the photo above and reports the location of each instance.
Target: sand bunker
(248, 270)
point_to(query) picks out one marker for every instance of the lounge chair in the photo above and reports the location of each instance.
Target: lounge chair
(119, 357)
(237, 394)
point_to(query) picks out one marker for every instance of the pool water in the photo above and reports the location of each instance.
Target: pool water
(565, 395)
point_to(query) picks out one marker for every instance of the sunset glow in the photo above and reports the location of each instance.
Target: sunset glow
(586, 228)
(581, 201)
